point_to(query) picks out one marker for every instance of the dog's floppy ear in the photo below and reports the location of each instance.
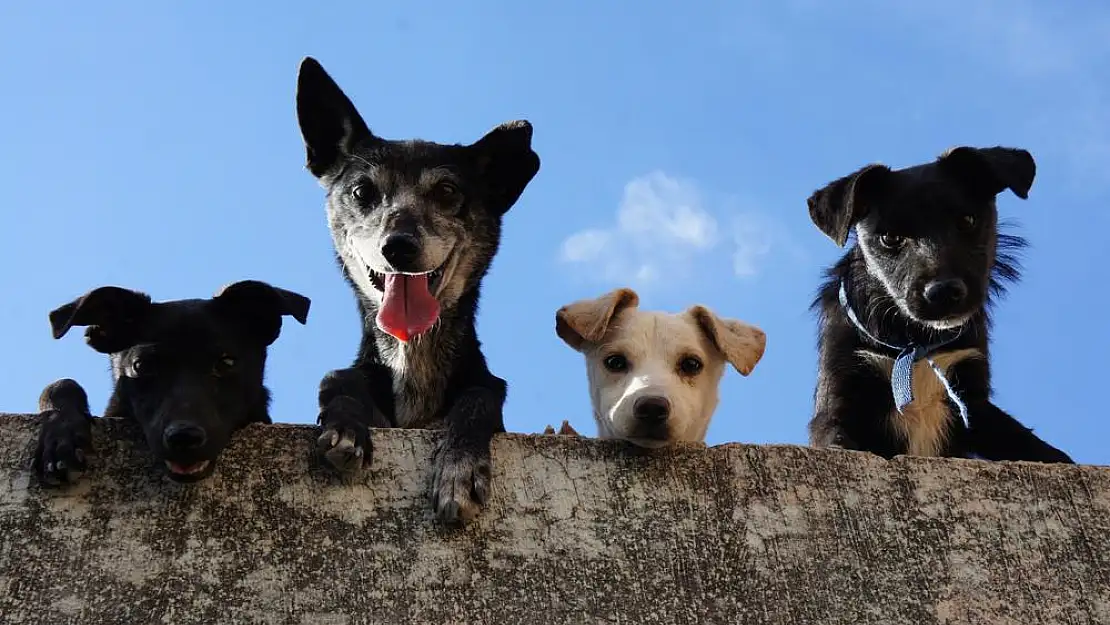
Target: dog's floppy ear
(989, 171)
(330, 123)
(741, 343)
(843, 202)
(258, 308)
(586, 321)
(115, 317)
(507, 162)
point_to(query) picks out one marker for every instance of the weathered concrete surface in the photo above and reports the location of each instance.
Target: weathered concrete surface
(577, 531)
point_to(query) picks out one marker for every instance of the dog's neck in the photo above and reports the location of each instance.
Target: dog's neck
(879, 314)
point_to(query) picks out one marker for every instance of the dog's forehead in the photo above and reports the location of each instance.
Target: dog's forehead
(188, 321)
(921, 190)
(659, 330)
(409, 160)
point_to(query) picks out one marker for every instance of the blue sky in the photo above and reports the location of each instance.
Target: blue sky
(155, 146)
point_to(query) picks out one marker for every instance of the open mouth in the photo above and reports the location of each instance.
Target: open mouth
(409, 306)
(378, 279)
(188, 472)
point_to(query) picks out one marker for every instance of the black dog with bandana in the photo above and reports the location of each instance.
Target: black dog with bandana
(905, 313)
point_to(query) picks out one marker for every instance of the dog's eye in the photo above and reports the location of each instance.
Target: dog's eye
(616, 363)
(891, 241)
(968, 222)
(140, 367)
(363, 192)
(690, 366)
(446, 191)
(224, 364)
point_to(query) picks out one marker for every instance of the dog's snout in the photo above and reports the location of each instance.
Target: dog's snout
(401, 250)
(652, 410)
(945, 292)
(180, 436)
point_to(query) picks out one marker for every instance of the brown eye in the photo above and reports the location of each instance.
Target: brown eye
(616, 363)
(968, 222)
(891, 241)
(690, 366)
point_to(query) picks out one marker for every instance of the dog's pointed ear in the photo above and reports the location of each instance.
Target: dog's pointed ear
(990, 171)
(259, 307)
(330, 124)
(742, 344)
(507, 162)
(843, 202)
(115, 317)
(586, 321)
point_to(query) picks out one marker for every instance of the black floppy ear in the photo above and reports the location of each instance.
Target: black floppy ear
(989, 171)
(330, 124)
(115, 318)
(507, 162)
(258, 308)
(843, 203)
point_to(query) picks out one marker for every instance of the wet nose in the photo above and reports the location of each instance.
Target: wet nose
(401, 250)
(945, 292)
(180, 436)
(652, 410)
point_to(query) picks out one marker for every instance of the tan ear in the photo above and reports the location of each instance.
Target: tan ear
(586, 321)
(741, 343)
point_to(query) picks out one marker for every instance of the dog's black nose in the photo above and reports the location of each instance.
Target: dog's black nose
(181, 436)
(401, 250)
(652, 410)
(945, 292)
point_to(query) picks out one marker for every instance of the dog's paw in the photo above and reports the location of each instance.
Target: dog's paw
(345, 442)
(460, 483)
(64, 447)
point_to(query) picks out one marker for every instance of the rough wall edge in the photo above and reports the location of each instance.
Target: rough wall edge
(577, 531)
(117, 427)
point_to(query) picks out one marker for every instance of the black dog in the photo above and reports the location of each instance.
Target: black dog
(189, 372)
(415, 225)
(905, 314)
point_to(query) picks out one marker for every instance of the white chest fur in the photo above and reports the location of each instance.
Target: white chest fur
(417, 390)
(923, 424)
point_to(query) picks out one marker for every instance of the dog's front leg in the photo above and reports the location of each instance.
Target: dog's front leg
(347, 412)
(65, 437)
(994, 434)
(461, 473)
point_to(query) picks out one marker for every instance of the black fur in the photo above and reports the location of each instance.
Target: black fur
(445, 203)
(923, 212)
(189, 372)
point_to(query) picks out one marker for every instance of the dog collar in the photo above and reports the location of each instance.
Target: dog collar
(901, 375)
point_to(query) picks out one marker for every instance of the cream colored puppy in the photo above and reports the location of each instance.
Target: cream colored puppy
(653, 376)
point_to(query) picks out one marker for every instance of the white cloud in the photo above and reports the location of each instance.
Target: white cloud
(662, 227)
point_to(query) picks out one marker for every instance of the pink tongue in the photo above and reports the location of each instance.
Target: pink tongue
(408, 308)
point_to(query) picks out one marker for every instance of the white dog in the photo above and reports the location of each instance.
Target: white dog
(653, 376)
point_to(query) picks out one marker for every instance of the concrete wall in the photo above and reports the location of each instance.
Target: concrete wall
(577, 531)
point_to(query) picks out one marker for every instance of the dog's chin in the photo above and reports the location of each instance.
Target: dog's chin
(188, 473)
(648, 442)
(944, 324)
(648, 438)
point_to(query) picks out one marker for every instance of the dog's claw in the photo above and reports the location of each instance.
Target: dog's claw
(345, 443)
(460, 484)
(63, 447)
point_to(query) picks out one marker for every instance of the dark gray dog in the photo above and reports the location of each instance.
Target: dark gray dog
(415, 225)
